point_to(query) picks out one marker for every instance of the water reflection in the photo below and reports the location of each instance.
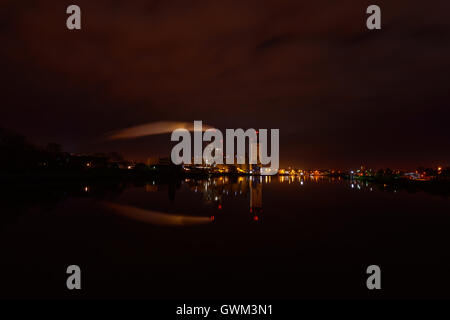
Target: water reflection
(155, 217)
(214, 190)
(215, 193)
(176, 227)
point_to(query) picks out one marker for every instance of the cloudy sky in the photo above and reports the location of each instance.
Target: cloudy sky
(340, 94)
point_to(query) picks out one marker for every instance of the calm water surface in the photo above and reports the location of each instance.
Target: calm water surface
(274, 237)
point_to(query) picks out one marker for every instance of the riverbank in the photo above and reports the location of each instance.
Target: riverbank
(433, 186)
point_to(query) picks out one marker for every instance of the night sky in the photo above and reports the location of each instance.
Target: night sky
(340, 94)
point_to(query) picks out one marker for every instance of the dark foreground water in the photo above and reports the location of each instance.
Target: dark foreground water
(226, 237)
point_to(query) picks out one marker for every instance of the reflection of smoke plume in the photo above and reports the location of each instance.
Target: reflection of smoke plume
(154, 217)
(152, 129)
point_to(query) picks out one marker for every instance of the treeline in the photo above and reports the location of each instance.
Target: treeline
(434, 173)
(17, 154)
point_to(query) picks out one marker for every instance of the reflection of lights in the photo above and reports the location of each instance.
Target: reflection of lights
(301, 182)
(256, 218)
(353, 185)
(220, 207)
(86, 189)
(213, 218)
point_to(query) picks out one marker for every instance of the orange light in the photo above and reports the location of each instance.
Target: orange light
(212, 218)
(255, 218)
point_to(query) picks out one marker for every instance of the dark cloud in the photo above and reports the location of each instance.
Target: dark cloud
(340, 94)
